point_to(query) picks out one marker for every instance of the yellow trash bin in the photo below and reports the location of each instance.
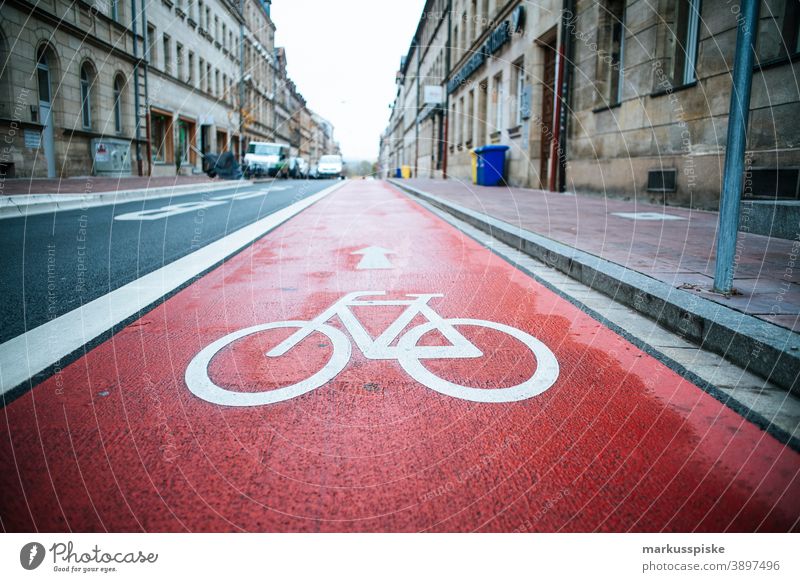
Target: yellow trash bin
(406, 171)
(474, 160)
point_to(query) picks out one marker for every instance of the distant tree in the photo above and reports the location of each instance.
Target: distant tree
(360, 168)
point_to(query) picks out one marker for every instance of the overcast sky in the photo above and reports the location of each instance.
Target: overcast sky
(343, 55)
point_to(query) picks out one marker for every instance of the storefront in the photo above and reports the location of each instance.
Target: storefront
(497, 87)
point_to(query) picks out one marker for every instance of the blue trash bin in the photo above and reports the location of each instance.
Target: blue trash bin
(398, 173)
(491, 164)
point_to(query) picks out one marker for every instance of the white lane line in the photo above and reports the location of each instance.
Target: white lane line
(184, 207)
(647, 216)
(169, 210)
(33, 351)
(246, 195)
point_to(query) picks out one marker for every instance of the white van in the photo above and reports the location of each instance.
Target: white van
(266, 159)
(330, 167)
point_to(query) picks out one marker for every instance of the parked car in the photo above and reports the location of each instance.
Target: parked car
(298, 168)
(330, 166)
(313, 174)
(266, 159)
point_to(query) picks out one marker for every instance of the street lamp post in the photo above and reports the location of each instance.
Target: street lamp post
(747, 21)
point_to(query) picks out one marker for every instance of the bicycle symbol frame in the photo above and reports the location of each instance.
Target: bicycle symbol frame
(406, 352)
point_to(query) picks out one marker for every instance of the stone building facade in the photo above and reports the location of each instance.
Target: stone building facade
(157, 83)
(415, 136)
(645, 111)
(504, 66)
(58, 84)
(258, 74)
(193, 73)
(657, 128)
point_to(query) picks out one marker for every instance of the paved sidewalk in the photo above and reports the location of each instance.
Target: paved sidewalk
(94, 184)
(677, 248)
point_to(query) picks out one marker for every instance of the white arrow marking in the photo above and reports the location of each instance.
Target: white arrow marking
(374, 258)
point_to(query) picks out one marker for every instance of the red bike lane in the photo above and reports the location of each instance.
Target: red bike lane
(608, 438)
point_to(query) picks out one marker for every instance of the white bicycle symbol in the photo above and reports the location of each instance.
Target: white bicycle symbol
(406, 352)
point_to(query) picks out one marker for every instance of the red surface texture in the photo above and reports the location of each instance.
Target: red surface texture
(620, 442)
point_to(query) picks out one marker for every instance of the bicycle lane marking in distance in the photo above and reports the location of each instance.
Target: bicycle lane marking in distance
(612, 440)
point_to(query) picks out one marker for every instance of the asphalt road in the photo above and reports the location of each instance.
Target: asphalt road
(53, 263)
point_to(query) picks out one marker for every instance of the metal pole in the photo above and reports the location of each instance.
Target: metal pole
(733, 177)
(136, 90)
(446, 121)
(146, 49)
(416, 112)
(241, 82)
(568, 44)
(553, 165)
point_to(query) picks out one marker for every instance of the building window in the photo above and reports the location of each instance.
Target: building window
(473, 22)
(216, 28)
(167, 55)
(119, 85)
(497, 99)
(150, 55)
(190, 74)
(87, 76)
(161, 135)
(200, 13)
(610, 58)
(217, 86)
(179, 60)
(463, 44)
(209, 80)
(115, 10)
(455, 53)
(791, 27)
(684, 40)
(779, 31)
(518, 75)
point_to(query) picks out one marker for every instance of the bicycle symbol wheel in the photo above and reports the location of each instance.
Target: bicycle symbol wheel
(202, 386)
(544, 376)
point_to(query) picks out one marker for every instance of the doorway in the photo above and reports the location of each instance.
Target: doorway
(548, 102)
(483, 113)
(186, 147)
(205, 139)
(46, 110)
(222, 141)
